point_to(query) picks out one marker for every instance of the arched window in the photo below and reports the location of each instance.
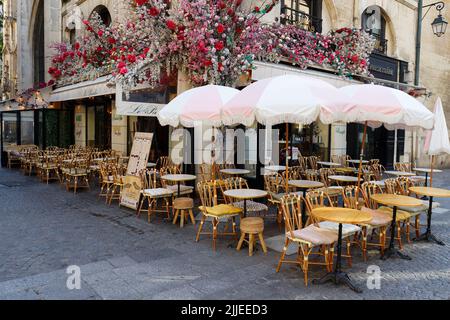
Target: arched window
(306, 14)
(103, 12)
(39, 45)
(374, 22)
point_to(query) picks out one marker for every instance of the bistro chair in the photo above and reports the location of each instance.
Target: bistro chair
(240, 183)
(77, 175)
(380, 220)
(215, 213)
(184, 189)
(115, 192)
(308, 238)
(49, 168)
(153, 194)
(274, 185)
(316, 199)
(403, 217)
(106, 180)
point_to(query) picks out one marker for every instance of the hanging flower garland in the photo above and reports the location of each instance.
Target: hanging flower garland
(213, 41)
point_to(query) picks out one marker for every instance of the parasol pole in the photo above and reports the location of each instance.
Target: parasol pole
(431, 174)
(287, 158)
(361, 156)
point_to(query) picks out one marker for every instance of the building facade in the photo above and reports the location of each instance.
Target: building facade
(92, 113)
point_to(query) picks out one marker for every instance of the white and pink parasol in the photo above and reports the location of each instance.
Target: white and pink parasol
(201, 105)
(282, 99)
(378, 105)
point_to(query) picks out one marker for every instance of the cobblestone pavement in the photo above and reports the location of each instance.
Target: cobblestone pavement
(44, 229)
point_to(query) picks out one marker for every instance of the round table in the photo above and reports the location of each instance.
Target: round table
(400, 173)
(426, 171)
(344, 179)
(341, 216)
(178, 178)
(235, 172)
(358, 161)
(329, 164)
(431, 193)
(275, 168)
(395, 201)
(151, 165)
(245, 194)
(305, 185)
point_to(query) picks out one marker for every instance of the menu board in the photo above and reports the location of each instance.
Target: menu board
(140, 152)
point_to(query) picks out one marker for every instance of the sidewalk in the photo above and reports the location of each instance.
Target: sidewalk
(44, 229)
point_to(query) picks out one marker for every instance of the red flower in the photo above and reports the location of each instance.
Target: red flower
(112, 40)
(220, 28)
(100, 33)
(219, 45)
(171, 25)
(153, 11)
(121, 65)
(131, 58)
(123, 70)
(77, 46)
(257, 9)
(141, 2)
(355, 58)
(207, 63)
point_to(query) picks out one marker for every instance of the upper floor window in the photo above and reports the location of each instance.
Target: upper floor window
(374, 22)
(103, 12)
(306, 14)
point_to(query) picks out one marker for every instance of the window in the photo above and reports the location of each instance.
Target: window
(306, 14)
(39, 46)
(103, 12)
(374, 22)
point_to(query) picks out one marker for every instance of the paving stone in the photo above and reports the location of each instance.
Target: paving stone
(122, 257)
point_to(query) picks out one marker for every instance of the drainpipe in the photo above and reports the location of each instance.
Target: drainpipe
(418, 42)
(414, 154)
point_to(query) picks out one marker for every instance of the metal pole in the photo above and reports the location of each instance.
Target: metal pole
(418, 41)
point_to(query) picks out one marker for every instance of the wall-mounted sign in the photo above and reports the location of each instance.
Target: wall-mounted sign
(141, 102)
(383, 67)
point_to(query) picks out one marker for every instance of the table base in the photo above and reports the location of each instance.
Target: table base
(338, 277)
(429, 237)
(391, 252)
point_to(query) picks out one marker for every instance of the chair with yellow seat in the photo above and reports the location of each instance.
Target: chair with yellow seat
(216, 213)
(308, 238)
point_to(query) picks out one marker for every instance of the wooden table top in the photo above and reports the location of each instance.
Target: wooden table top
(344, 178)
(246, 194)
(179, 177)
(431, 192)
(342, 215)
(396, 200)
(427, 170)
(305, 184)
(400, 173)
(329, 164)
(235, 171)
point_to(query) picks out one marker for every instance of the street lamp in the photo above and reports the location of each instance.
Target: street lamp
(439, 26)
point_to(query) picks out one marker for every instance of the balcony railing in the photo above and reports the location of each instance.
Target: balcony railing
(300, 19)
(381, 44)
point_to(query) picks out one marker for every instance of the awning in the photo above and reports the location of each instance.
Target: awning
(83, 90)
(267, 70)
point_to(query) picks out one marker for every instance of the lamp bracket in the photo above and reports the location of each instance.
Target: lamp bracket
(438, 5)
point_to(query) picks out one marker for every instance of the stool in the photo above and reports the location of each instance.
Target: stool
(183, 207)
(252, 226)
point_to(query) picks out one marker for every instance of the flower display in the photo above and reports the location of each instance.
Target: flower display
(212, 41)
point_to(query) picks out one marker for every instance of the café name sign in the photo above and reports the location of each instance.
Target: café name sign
(132, 108)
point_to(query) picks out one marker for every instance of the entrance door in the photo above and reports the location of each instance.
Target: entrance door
(99, 126)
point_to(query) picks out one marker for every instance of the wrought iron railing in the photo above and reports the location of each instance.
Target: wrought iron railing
(381, 44)
(300, 19)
